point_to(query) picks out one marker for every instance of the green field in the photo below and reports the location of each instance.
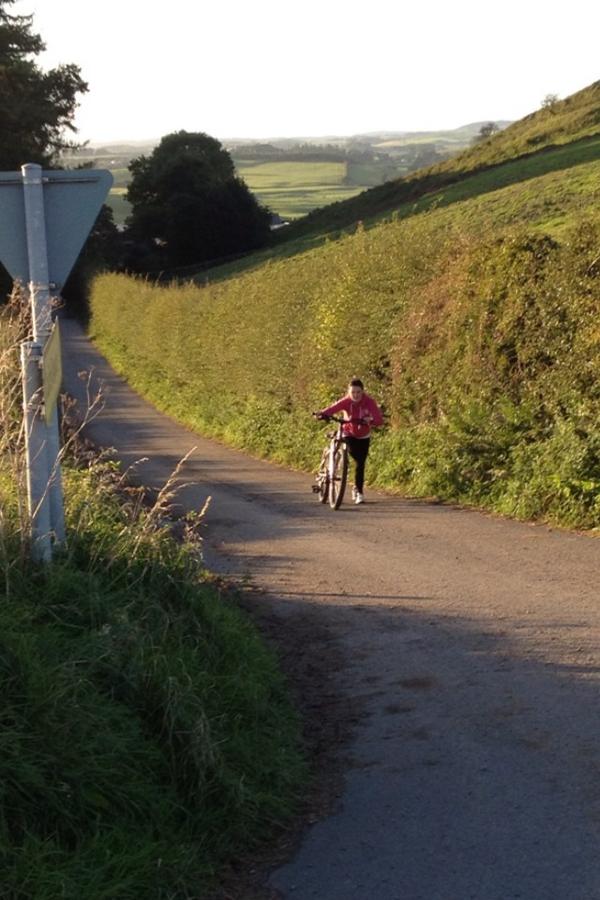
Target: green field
(290, 189)
(368, 174)
(451, 142)
(121, 177)
(294, 188)
(120, 206)
(291, 186)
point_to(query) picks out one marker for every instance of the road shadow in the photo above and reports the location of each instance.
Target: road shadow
(472, 769)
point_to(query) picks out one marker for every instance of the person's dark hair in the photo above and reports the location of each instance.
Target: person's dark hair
(356, 382)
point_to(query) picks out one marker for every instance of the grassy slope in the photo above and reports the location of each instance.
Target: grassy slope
(484, 351)
(547, 190)
(475, 328)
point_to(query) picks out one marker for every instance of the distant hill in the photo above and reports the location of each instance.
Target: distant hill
(463, 134)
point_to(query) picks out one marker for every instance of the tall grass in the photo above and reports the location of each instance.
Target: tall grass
(15, 326)
(146, 734)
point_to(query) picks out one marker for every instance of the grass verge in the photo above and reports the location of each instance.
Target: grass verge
(147, 737)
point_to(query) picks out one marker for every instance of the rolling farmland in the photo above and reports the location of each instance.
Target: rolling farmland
(290, 189)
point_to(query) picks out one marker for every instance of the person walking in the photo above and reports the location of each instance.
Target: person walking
(362, 414)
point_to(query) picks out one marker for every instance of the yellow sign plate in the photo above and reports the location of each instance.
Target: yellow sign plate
(52, 372)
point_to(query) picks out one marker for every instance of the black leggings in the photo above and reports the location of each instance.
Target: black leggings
(359, 450)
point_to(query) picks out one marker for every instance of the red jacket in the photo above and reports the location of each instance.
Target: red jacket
(356, 410)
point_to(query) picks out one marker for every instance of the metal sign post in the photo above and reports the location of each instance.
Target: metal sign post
(41, 309)
(45, 218)
(37, 468)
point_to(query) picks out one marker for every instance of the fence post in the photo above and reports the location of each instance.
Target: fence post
(36, 452)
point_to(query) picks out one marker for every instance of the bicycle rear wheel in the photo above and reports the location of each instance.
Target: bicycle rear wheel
(338, 475)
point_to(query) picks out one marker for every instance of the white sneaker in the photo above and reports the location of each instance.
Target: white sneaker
(358, 498)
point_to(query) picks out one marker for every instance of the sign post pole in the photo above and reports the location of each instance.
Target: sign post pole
(39, 289)
(36, 452)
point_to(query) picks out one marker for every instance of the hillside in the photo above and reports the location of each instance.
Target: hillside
(472, 313)
(568, 121)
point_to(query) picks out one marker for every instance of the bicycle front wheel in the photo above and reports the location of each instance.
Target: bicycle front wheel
(338, 474)
(322, 481)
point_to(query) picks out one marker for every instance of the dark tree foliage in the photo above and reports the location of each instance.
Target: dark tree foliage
(486, 131)
(36, 107)
(188, 204)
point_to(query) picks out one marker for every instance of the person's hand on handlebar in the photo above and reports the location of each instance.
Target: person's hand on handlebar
(354, 421)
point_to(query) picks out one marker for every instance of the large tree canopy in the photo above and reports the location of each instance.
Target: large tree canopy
(36, 107)
(187, 199)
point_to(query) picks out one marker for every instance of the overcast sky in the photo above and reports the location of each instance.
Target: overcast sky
(264, 68)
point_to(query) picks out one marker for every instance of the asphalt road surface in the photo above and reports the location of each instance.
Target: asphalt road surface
(469, 641)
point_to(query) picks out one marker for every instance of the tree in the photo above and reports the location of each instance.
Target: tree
(36, 107)
(189, 205)
(486, 131)
(549, 102)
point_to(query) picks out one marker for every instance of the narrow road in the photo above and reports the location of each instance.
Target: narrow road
(470, 643)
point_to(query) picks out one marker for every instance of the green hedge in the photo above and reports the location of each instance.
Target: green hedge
(483, 348)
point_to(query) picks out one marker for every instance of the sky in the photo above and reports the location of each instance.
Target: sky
(276, 68)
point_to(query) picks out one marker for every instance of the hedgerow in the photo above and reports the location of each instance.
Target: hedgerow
(481, 347)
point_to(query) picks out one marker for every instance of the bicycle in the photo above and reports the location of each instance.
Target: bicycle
(332, 475)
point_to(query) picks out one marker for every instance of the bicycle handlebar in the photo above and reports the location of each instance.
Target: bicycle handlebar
(340, 420)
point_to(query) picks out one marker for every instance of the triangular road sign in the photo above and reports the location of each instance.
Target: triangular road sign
(72, 201)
